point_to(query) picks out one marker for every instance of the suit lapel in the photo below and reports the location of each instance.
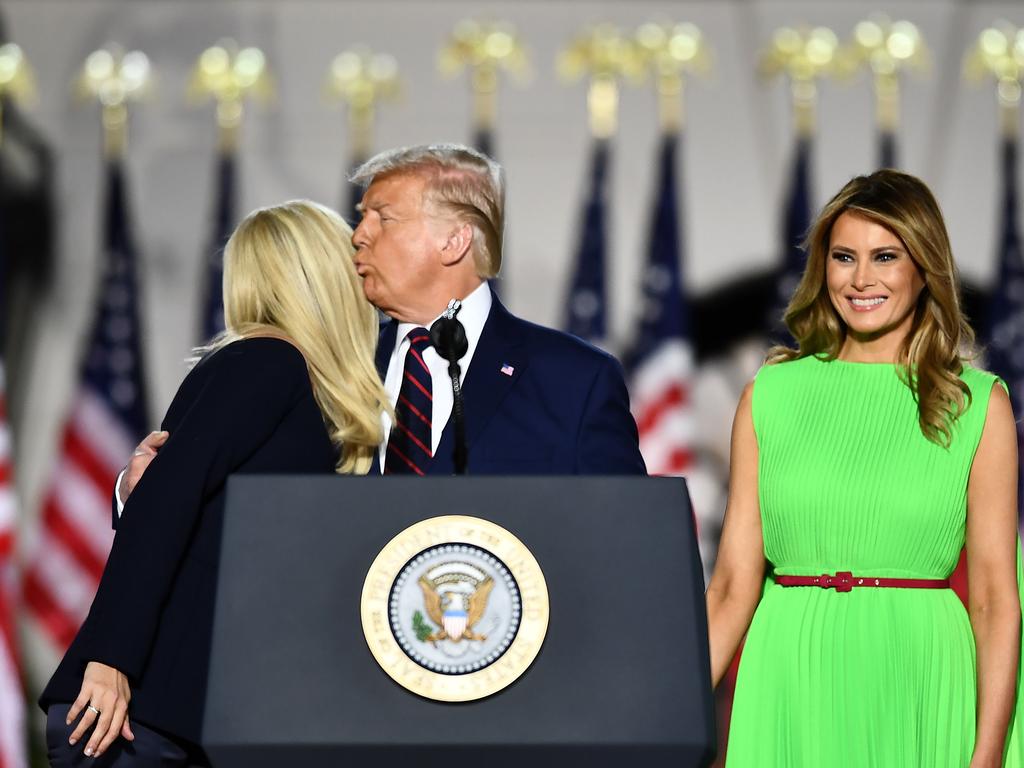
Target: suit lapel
(385, 346)
(485, 384)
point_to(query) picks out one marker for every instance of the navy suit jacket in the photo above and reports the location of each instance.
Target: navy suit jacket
(248, 408)
(563, 409)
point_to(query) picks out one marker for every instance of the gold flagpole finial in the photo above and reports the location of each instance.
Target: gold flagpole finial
(17, 81)
(999, 53)
(485, 49)
(606, 56)
(362, 78)
(804, 56)
(115, 77)
(886, 48)
(670, 52)
(229, 75)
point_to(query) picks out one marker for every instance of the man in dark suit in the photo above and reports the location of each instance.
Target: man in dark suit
(537, 401)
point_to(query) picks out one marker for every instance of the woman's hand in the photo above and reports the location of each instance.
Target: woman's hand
(103, 700)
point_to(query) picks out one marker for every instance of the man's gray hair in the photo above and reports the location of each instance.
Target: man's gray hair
(461, 182)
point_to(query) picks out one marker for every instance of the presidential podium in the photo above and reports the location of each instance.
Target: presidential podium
(622, 676)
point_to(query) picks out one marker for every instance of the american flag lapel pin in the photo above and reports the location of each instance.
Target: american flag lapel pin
(507, 369)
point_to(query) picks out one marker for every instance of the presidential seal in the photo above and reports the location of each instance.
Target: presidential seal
(455, 608)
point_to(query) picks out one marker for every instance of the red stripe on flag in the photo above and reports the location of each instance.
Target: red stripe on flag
(77, 448)
(674, 396)
(5, 474)
(678, 461)
(7, 636)
(65, 531)
(419, 386)
(55, 621)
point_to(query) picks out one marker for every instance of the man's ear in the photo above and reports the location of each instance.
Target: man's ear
(457, 246)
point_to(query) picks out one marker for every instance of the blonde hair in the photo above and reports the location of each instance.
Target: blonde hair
(930, 357)
(460, 182)
(289, 273)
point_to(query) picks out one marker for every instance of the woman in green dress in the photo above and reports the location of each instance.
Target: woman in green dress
(863, 461)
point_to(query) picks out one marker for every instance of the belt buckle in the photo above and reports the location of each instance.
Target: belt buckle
(841, 582)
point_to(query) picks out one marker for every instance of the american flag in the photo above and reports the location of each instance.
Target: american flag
(660, 363)
(108, 416)
(795, 223)
(352, 194)
(887, 149)
(223, 223)
(1006, 313)
(586, 310)
(483, 140)
(13, 736)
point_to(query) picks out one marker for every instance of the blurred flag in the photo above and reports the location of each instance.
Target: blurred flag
(223, 224)
(886, 149)
(13, 736)
(108, 416)
(353, 195)
(796, 222)
(585, 313)
(660, 363)
(1006, 313)
(483, 140)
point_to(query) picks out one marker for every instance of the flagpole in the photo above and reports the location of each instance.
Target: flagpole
(114, 78)
(885, 48)
(229, 75)
(669, 53)
(361, 79)
(605, 56)
(486, 50)
(803, 57)
(660, 362)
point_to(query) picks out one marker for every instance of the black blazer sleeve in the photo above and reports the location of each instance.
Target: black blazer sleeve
(247, 389)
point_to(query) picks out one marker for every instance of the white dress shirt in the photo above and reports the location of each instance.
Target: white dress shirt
(475, 309)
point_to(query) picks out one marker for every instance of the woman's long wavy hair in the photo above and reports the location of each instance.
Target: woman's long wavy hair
(289, 273)
(930, 357)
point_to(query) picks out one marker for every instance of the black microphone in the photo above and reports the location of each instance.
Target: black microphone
(448, 336)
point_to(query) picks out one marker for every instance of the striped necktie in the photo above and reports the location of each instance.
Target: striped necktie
(410, 439)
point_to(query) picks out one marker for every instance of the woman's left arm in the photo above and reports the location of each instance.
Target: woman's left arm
(994, 603)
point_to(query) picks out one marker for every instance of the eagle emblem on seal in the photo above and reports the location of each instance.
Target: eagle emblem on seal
(455, 597)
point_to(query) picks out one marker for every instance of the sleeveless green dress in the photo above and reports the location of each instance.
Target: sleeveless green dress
(847, 482)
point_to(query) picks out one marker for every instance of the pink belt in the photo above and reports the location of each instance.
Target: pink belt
(844, 581)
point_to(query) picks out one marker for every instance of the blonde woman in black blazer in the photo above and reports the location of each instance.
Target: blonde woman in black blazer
(290, 387)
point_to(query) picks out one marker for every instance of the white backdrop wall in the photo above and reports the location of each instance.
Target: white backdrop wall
(734, 166)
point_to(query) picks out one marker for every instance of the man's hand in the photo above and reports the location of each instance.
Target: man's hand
(103, 700)
(137, 464)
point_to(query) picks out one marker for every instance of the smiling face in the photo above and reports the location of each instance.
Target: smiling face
(874, 285)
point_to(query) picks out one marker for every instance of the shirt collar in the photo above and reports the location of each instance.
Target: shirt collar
(475, 309)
